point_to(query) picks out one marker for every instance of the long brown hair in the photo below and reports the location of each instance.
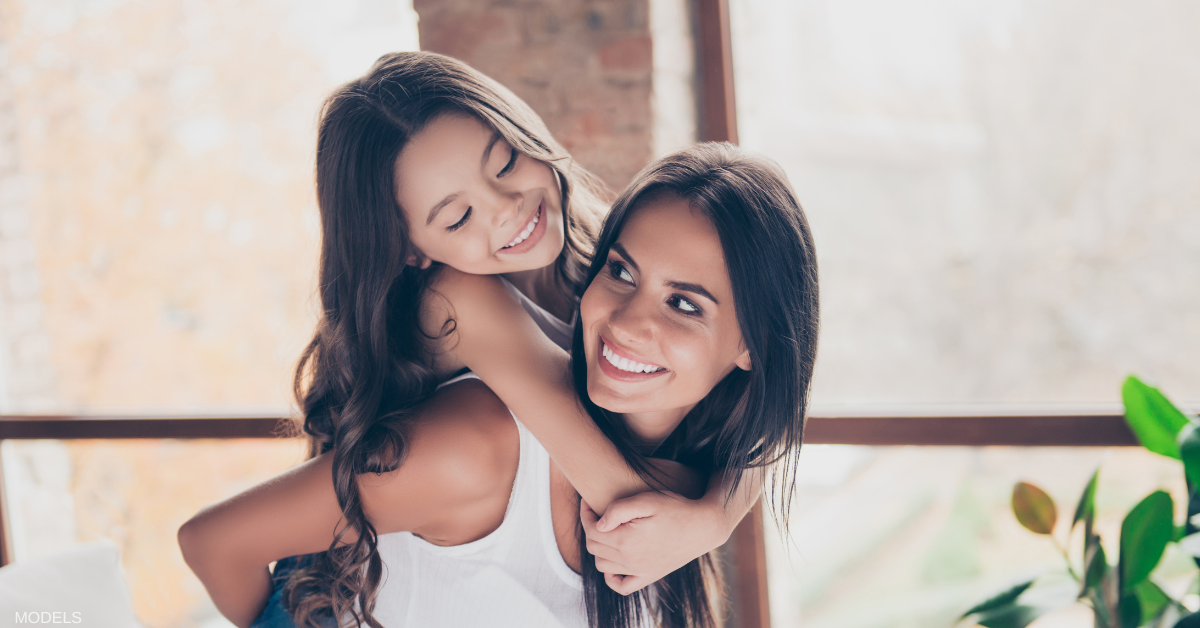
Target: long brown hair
(367, 365)
(750, 418)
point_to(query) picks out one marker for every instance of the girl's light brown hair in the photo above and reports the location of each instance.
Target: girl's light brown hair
(367, 365)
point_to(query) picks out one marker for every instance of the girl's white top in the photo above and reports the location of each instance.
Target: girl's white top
(514, 577)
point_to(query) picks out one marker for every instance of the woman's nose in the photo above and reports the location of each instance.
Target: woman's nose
(632, 322)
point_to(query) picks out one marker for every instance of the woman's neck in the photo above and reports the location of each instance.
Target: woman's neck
(652, 428)
(542, 287)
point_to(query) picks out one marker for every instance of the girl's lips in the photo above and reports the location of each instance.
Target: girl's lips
(539, 230)
(613, 372)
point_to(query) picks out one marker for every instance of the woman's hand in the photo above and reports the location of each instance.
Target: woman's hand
(642, 538)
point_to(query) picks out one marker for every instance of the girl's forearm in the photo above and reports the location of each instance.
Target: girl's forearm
(500, 343)
(733, 508)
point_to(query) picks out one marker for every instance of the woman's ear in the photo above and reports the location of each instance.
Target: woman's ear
(743, 360)
(418, 260)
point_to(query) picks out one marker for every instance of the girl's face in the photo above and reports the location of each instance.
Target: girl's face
(474, 203)
(659, 325)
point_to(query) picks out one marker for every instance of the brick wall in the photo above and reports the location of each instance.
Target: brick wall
(585, 66)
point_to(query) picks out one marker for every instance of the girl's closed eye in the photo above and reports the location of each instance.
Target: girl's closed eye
(512, 163)
(462, 221)
(683, 305)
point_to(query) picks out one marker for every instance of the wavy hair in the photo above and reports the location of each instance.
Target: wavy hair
(367, 365)
(751, 418)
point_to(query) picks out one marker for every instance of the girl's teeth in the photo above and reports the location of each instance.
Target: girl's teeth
(526, 231)
(625, 364)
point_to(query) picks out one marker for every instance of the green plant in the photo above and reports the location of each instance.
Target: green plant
(1123, 595)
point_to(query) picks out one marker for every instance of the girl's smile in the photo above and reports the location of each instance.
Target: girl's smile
(530, 235)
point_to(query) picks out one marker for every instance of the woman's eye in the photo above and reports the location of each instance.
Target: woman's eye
(512, 161)
(619, 272)
(462, 221)
(683, 305)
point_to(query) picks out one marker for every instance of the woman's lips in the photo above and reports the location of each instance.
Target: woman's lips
(612, 370)
(534, 237)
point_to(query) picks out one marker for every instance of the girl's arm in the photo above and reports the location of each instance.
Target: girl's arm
(626, 541)
(452, 488)
(496, 338)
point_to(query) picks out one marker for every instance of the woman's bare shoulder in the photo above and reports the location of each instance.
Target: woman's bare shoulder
(461, 459)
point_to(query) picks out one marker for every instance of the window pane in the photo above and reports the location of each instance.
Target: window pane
(898, 537)
(136, 493)
(158, 223)
(1003, 194)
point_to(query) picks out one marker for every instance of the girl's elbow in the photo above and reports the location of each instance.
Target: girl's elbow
(196, 542)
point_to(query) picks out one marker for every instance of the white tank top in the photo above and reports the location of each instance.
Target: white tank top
(514, 577)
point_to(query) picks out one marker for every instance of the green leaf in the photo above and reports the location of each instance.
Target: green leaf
(1095, 565)
(1028, 606)
(1152, 600)
(1129, 611)
(1086, 510)
(1011, 616)
(1154, 419)
(1189, 452)
(1034, 508)
(1145, 533)
(1003, 598)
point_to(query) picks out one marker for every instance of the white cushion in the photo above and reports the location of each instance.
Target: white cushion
(83, 586)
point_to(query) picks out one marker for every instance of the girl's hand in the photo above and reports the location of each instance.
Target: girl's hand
(642, 538)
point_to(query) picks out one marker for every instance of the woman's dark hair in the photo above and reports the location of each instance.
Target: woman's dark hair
(367, 365)
(751, 418)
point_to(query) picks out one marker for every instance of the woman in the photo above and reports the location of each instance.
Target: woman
(424, 165)
(696, 339)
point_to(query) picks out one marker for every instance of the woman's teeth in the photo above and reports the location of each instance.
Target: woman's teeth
(625, 364)
(525, 232)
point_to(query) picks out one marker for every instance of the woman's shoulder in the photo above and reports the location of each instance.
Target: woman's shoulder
(463, 448)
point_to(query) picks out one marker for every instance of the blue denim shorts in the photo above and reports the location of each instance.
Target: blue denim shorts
(275, 615)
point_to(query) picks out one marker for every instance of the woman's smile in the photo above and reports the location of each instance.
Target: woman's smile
(624, 366)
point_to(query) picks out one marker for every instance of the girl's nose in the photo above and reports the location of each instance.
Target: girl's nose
(506, 208)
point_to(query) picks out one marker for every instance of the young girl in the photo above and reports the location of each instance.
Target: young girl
(695, 340)
(424, 165)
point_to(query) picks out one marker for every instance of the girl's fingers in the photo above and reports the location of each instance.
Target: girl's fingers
(600, 550)
(609, 567)
(625, 584)
(626, 510)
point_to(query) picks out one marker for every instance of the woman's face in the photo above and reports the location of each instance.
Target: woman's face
(474, 203)
(659, 324)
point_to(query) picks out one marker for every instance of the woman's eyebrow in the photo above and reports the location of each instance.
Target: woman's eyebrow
(623, 253)
(694, 288)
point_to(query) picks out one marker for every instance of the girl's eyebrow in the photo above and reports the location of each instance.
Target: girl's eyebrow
(488, 151)
(437, 208)
(446, 201)
(694, 288)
